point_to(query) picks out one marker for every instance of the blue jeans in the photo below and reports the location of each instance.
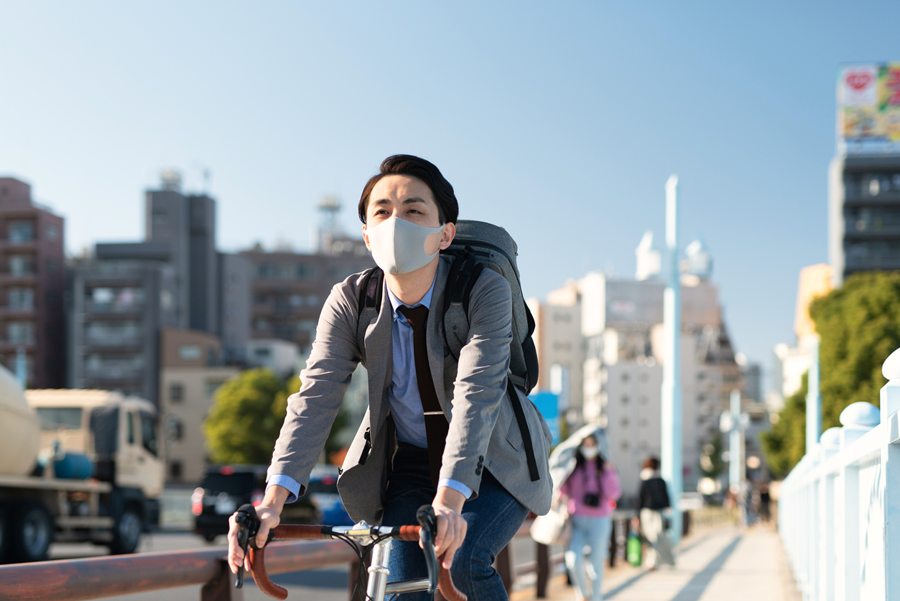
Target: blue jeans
(593, 532)
(493, 519)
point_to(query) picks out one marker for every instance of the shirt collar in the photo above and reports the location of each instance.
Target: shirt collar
(426, 300)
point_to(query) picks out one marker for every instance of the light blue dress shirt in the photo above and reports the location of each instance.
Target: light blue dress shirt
(403, 395)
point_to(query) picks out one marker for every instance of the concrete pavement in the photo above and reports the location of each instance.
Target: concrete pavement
(726, 563)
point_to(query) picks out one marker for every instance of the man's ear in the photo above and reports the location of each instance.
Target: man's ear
(448, 235)
(366, 237)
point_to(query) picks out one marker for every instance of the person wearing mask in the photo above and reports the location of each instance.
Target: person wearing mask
(590, 492)
(653, 500)
(439, 429)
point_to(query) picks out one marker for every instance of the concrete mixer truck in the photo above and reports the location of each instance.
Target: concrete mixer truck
(75, 466)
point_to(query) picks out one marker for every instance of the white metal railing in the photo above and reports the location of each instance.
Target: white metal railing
(839, 509)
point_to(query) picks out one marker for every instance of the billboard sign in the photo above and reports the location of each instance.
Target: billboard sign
(869, 108)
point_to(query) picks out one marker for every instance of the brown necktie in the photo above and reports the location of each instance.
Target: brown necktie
(436, 425)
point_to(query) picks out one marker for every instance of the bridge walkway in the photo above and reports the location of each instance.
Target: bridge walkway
(725, 563)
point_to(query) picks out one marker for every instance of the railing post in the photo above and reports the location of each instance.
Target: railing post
(543, 569)
(857, 419)
(505, 567)
(221, 587)
(831, 444)
(890, 461)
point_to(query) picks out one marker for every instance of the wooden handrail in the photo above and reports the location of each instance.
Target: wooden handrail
(97, 577)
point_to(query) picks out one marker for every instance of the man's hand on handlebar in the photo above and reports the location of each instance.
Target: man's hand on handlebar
(451, 527)
(269, 512)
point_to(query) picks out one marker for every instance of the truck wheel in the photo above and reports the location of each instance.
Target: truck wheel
(31, 531)
(127, 533)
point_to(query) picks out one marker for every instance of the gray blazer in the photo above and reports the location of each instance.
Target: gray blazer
(483, 429)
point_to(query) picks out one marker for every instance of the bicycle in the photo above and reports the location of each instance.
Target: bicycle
(364, 539)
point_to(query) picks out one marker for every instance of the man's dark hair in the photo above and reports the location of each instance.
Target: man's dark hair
(406, 164)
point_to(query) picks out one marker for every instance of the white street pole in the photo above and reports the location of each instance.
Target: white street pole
(672, 462)
(734, 442)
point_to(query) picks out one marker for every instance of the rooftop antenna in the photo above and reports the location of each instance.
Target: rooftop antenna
(329, 229)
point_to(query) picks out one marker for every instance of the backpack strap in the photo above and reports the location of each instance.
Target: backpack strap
(462, 277)
(368, 304)
(523, 428)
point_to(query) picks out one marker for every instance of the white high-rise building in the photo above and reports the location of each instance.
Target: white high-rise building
(621, 337)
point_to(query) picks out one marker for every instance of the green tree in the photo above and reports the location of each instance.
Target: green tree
(785, 444)
(244, 421)
(859, 326)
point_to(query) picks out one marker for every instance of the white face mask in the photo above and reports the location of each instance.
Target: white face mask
(398, 246)
(590, 452)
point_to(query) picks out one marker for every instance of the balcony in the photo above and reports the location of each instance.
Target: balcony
(130, 341)
(135, 308)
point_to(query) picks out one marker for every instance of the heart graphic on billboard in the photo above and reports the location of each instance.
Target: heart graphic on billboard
(859, 79)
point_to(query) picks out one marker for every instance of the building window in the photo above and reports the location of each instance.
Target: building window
(306, 325)
(20, 299)
(644, 400)
(189, 352)
(174, 429)
(305, 272)
(51, 265)
(624, 376)
(176, 392)
(624, 422)
(20, 332)
(260, 324)
(21, 265)
(175, 470)
(159, 216)
(625, 399)
(643, 422)
(624, 445)
(21, 231)
(296, 300)
(260, 299)
(51, 233)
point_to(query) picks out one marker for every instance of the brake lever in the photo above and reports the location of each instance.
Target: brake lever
(248, 526)
(427, 533)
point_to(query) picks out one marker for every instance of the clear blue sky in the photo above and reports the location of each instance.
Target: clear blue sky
(560, 121)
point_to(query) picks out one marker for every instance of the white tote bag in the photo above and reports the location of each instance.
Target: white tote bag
(555, 528)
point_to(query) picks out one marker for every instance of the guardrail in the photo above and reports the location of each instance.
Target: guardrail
(98, 577)
(839, 509)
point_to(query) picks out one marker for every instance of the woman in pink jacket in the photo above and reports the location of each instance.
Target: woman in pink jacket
(590, 492)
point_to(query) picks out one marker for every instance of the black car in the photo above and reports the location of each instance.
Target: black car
(227, 487)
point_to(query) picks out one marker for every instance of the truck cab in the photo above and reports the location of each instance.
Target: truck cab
(97, 478)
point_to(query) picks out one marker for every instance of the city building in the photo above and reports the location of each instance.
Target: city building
(116, 309)
(560, 349)
(791, 362)
(32, 283)
(191, 373)
(621, 340)
(279, 356)
(864, 177)
(289, 288)
(124, 294)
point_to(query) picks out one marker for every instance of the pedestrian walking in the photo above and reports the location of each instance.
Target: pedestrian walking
(589, 488)
(764, 501)
(653, 500)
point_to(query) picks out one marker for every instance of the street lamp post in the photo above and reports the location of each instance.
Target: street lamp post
(671, 418)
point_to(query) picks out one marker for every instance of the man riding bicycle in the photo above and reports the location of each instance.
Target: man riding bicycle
(439, 429)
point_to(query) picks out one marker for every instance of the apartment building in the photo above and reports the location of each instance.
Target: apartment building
(32, 283)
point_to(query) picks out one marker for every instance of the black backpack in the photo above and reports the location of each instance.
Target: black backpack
(477, 246)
